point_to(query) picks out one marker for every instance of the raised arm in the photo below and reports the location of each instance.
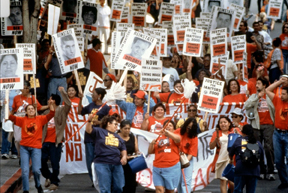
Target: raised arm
(80, 107)
(145, 123)
(269, 90)
(176, 138)
(67, 102)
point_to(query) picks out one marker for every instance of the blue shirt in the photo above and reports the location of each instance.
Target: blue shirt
(108, 146)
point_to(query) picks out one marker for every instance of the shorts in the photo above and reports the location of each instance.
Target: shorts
(167, 177)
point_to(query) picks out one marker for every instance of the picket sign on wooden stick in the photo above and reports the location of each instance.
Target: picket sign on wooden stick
(149, 95)
(123, 76)
(205, 116)
(78, 81)
(6, 104)
(35, 95)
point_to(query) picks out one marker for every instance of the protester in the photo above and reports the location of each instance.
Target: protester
(30, 145)
(284, 46)
(237, 116)
(233, 89)
(72, 94)
(131, 144)
(167, 69)
(130, 91)
(109, 78)
(165, 87)
(104, 12)
(166, 165)
(110, 154)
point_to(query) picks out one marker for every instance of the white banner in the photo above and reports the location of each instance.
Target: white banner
(193, 42)
(116, 11)
(238, 45)
(138, 14)
(166, 12)
(274, 9)
(218, 42)
(53, 19)
(151, 75)
(29, 58)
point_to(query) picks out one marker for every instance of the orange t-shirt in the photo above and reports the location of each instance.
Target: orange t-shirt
(235, 98)
(284, 43)
(51, 132)
(32, 129)
(263, 112)
(155, 126)
(74, 107)
(251, 48)
(243, 86)
(96, 60)
(281, 113)
(138, 118)
(252, 85)
(166, 152)
(20, 102)
(278, 91)
(188, 145)
(174, 97)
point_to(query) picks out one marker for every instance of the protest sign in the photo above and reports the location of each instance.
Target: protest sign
(214, 66)
(80, 41)
(53, 19)
(116, 10)
(138, 14)
(29, 58)
(203, 24)
(211, 95)
(11, 69)
(115, 44)
(221, 18)
(239, 13)
(245, 68)
(170, 37)
(193, 42)
(238, 45)
(218, 42)
(166, 12)
(70, 10)
(134, 46)
(163, 41)
(44, 14)
(125, 15)
(123, 27)
(78, 29)
(4, 12)
(177, 6)
(151, 75)
(13, 24)
(274, 9)
(208, 5)
(155, 34)
(205, 15)
(228, 3)
(87, 15)
(179, 25)
(186, 7)
(179, 48)
(67, 50)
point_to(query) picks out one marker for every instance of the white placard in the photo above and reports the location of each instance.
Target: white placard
(69, 10)
(116, 10)
(67, 50)
(81, 42)
(193, 42)
(186, 7)
(238, 45)
(170, 36)
(115, 44)
(133, 48)
(211, 95)
(44, 15)
(53, 19)
(228, 3)
(138, 14)
(239, 13)
(208, 5)
(11, 69)
(155, 34)
(125, 15)
(78, 29)
(218, 42)
(163, 41)
(179, 25)
(87, 15)
(166, 12)
(4, 12)
(214, 65)
(29, 58)
(203, 24)
(205, 15)
(123, 27)
(151, 75)
(177, 7)
(274, 9)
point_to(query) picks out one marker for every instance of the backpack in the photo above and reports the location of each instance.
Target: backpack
(251, 156)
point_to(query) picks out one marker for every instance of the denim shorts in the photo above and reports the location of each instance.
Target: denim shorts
(167, 177)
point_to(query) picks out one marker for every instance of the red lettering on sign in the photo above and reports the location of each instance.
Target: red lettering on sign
(200, 176)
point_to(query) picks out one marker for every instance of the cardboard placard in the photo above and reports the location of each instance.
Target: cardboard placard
(163, 41)
(87, 15)
(193, 42)
(170, 37)
(238, 45)
(218, 42)
(214, 65)
(138, 14)
(70, 10)
(239, 13)
(29, 58)
(151, 75)
(274, 9)
(179, 25)
(203, 24)
(166, 12)
(116, 10)
(53, 19)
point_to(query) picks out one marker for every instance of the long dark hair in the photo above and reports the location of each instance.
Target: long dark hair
(105, 120)
(227, 118)
(229, 84)
(249, 131)
(191, 132)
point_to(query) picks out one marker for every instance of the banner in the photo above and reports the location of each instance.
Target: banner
(239, 13)
(67, 50)
(87, 15)
(170, 36)
(214, 66)
(193, 42)
(211, 95)
(116, 10)
(179, 25)
(163, 41)
(151, 75)
(177, 6)
(13, 24)
(133, 48)
(274, 9)
(203, 23)
(70, 10)
(238, 45)
(218, 42)
(29, 58)
(11, 69)
(138, 14)
(166, 12)
(53, 19)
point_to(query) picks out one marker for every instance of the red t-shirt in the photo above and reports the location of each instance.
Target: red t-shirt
(235, 98)
(166, 152)
(174, 97)
(251, 48)
(51, 132)
(263, 112)
(155, 126)
(32, 129)
(96, 60)
(252, 86)
(138, 118)
(20, 102)
(284, 41)
(243, 86)
(188, 145)
(281, 113)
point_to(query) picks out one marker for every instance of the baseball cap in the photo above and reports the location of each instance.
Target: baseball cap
(113, 111)
(140, 94)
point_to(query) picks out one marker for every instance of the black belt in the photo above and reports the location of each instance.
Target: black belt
(282, 131)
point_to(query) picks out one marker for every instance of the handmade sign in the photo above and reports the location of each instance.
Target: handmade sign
(29, 58)
(151, 75)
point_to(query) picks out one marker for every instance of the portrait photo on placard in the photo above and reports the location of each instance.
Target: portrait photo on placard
(222, 18)
(138, 48)
(87, 16)
(208, 5)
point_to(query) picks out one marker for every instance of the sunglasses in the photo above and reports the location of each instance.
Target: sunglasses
(105, 80)
(192, 110)
(234, 116)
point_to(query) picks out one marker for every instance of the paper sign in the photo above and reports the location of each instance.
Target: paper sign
(170, 37)
(228, 3)
(87, 15)
(155, 34)
(208, 5)
(125, 16)
(239, 13)
(211, 95)
(116, 11)
(4, 12)
(179, 25)
(67, 50)
(151, 75)
(274, 9)
(163, 41)
(205, 15)
(78, 29)
(123, 27)
(218, 42)
(166, 12)
(53, 19)
(214, 66)
(70, 10)
(177, 7)
(203, 24)
(138, 14)
(193, 42)
(115, 44)
(29, 58)
(186, 7)
(238, 45)
(133, 48)
(11, 69)
(44, 14)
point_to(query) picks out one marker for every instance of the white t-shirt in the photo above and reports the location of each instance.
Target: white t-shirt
(173, 75)
(231, 67)
(103, 18)
(267, 37)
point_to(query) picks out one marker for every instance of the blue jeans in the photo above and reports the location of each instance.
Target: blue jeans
(285, 58)
(6, 144)
(280, 143)
(53, 85)
(188, 177)
(35, 154)
(241, 181)
(50, 151)
(89, 153)
(110, 174)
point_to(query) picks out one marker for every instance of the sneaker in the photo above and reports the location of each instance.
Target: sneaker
(270, 177)
(53, 187)
(39, 189)
(261, 177)
(47, 183)
(13, 156)
(283, 186)
(5, 156)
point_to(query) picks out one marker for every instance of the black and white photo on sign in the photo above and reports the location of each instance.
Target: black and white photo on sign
(138, 48)
(69, 10)
(15, 17)
(208, 5)
(186, 7)
(67, 50)
(87, 15)
(155, 34)
(11, 68)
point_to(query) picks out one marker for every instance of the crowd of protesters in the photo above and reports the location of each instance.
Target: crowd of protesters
(110, 147)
